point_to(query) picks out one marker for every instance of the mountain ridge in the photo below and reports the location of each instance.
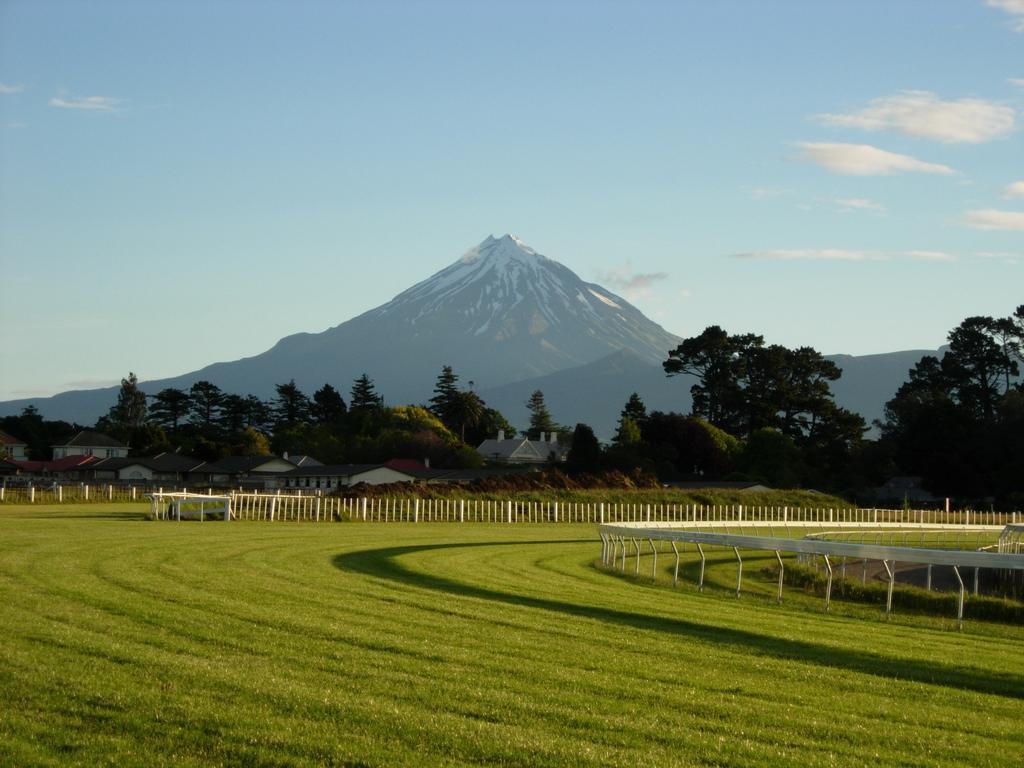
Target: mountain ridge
(506, 318)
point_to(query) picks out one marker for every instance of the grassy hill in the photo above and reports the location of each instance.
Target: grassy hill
(143, 643)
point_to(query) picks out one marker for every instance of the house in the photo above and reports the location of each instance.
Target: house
(331, 476)
(90, 443)
(254, 471)
(12, 448)
(904, 489)
(522, 450)
(164, 467)
(8, 468)
(66, 468)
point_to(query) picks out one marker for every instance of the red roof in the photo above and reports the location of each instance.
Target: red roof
(405, 465)
(57, 465)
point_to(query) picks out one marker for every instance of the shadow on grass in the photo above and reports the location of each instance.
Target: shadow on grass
(382, 563)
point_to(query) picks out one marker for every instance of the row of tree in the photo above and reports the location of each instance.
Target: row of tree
(760, 412)
(958, 422)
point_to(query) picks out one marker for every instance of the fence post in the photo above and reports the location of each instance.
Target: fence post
(31, 494)
(600, 510)
(510, 511)
(86, 487)
(416, 510)
(462, 510)
(364, 508)
(60, 494)
(785, 514)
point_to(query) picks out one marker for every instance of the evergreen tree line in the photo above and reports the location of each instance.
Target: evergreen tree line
(760, 412)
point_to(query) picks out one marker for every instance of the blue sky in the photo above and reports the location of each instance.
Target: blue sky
(186, 182)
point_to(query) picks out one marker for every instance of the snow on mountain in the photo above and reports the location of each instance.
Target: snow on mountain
(504, 293)
(500, 313)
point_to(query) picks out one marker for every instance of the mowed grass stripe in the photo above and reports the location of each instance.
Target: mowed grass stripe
(160, 643)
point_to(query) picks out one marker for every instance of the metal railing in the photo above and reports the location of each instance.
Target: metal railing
(618, 541)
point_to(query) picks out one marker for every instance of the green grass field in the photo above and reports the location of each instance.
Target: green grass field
(130, 642)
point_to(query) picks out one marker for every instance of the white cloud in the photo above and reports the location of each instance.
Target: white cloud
(924, 115)
(632, 284)
(810, 254)
(1016, 189)
(865, 160)
(1013, 7)
(92, 103)
(929, 256)
(1005, 257)
(1018, 81)
(993, 219)
(4, 88)
(850, 204)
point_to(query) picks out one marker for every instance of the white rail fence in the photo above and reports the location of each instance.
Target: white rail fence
(317, 508)
(622, 540)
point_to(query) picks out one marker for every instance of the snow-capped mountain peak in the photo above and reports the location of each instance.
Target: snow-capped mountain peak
(504, 294)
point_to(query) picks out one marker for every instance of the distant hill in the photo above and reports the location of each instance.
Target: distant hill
(595, 393)
(506, 318)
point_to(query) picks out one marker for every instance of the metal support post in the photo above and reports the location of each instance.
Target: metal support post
(703, 561)
(637, 545)
(781, 572)
(675, 573)
(654, 560)
(739, 570)
(828, 585)
(892, 578)
(960, 600)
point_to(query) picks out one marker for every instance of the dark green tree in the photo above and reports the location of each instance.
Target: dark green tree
(464, 412)
(259, 415)
(714, 358)
(976, 367)
(328, 406)
(363, 396)
(634, 409)
(206, 398)
(234, 414)
(491, 423)
(129, 412)
(628, 432)
(446, 391)
(585, 453)
(540, 417)
(291, 406)
(170, 407)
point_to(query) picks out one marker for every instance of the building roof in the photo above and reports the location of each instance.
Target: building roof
(520, 448)
(6, 439)
(236, 465)
(341, 470)
(301, 460)
(162, 462)
(89, 439)
(57, 465)
(406, 465)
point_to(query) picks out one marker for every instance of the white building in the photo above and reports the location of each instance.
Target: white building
(89, 443)
(521, 450)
